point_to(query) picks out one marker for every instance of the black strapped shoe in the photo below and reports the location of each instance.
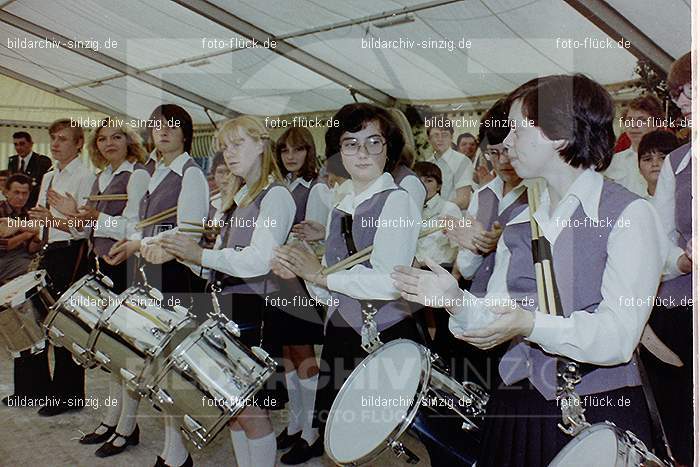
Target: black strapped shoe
(109, 449)
(286, 441)
(301, 452)
(97, 438)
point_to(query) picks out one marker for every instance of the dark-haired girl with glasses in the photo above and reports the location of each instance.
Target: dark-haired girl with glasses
(375, 212)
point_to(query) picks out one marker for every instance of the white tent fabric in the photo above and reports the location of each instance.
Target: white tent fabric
(165, 42)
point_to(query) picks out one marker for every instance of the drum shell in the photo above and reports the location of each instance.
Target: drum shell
(586, 450)
(205, 387)
(137, 357)
(20, 327)
(72, 323)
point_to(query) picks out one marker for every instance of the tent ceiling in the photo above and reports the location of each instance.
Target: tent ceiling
(160, 42)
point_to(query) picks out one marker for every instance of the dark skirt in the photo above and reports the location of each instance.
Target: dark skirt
(672, 386)
(254, 319)
(342, 352)
(299, 315)
(520, 426)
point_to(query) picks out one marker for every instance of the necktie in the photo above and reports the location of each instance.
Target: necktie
(21, 164)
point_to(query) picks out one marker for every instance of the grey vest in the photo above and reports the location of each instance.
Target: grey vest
(237, 233)
(164, 197)
(300, 194)
(487, 214)
(117, 186)
(679, 291)
(580, 254)
(390, 312)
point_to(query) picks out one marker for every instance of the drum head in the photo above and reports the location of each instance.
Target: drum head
(595, 446)
(377, 402)
(20, 285)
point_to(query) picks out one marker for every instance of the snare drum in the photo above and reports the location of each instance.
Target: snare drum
(73, 319)
(382, 397)
(24, 301)
(137, 333)
(209, 379)
(604, 444)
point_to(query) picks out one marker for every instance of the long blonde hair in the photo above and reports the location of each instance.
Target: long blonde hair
(256, 130)
(135, 151)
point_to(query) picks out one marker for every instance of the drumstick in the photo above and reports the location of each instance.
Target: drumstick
(534, 229)
(154, 219)
(364, 254)
(115, 197)
(198, 230)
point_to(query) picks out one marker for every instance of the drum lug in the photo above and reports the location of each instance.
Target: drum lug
(181, 365)
(78, 350)
(402, 451)
(55, 333)
(126, 374)
(163, 397)
(101, 358)
(155, 293)
(232, 328)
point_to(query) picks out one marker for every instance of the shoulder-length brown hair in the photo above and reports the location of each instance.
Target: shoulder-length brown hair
(135, 151)
(298, 137)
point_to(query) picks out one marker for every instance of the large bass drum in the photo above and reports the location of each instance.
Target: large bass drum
(381, 398)
(73, 319)
(604, 444)
(209, 379)
(136, 335)
(24, 301)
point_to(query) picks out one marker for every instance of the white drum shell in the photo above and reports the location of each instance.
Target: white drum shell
(23, 302)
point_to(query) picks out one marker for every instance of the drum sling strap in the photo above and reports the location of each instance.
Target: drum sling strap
(369, 333)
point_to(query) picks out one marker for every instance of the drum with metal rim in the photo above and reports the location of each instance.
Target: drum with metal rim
(74, 317)
(24, 302)
(209, 379)
(381, 398)
(137, 333)
(604, 444)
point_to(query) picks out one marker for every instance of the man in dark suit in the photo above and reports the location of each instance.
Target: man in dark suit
(28, 163)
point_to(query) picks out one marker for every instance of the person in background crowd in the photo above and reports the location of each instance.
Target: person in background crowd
(220, 176)
(457, 170)
(641, 116)
(653, 149)
(29, 163)
(467, 145)
(15, 255)
(672, 319)
(403, 174)
(3, 182)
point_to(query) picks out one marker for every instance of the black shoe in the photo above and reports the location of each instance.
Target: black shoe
(108, 449)
(302, 452)
(286, 441)
(188, 462)
(50, 411)
(160, 462)
(95, 438)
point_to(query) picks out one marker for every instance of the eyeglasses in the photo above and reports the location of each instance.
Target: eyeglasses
(492, 154)
(374, 145)
(686, 90)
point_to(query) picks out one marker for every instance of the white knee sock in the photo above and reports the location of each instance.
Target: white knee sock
(296, 407)
(263, 451)
(127, 419)
(115, 393)
(307, 387)
(177, 452)
(166, 443)
(241, 449)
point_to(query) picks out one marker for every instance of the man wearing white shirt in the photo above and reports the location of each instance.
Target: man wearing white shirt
(457, 169)
(65, 249)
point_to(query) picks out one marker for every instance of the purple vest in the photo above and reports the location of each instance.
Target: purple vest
(487, 214)
(389, 312)
(164, 197)
(237, 233)
(117, 186)
(300, 194)
(150, 166)
(680, 289)
(580, 254)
